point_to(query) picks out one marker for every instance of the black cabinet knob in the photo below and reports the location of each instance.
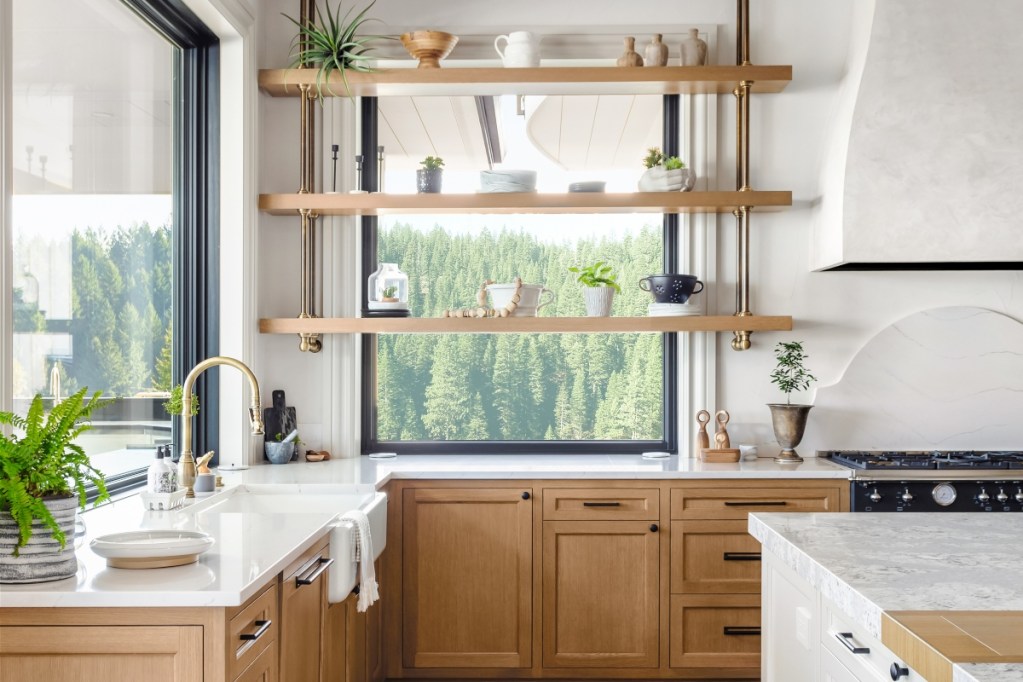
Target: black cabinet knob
(525, 496)
(653, 527)
(898, 671)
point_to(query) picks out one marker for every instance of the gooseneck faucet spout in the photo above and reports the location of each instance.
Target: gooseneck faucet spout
(186, 465)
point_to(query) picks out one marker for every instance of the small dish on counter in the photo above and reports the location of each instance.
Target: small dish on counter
(151, 548)
(673, 309)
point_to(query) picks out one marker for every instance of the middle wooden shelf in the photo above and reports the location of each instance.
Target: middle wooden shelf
(522, 325)
(523, 202)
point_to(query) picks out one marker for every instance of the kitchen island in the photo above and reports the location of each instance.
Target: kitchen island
(943, 592)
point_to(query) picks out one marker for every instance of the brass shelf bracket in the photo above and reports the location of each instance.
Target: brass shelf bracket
(741, 339)
(308, 342)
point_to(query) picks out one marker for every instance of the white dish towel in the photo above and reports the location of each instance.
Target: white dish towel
(368, 592)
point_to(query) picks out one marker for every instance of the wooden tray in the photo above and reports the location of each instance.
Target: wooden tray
(719, 456)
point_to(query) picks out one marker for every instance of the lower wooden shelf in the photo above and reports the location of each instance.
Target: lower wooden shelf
(520, 325)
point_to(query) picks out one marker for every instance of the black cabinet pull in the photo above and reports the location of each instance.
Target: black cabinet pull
(602, 504)
(742, 630)
(846, 639)
(742, 556)
(757, 503)
(525, 496)
(261, 627)
(653, 527)
(316, 572)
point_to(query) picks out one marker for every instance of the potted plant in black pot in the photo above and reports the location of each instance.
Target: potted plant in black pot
(42, 486)
(789, 420)
(428, 178)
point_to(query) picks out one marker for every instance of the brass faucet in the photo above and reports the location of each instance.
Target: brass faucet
(186, 465)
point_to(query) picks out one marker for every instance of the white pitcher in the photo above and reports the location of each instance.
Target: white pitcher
(522, 49)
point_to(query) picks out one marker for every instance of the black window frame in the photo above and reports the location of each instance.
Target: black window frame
(196, 212)
(671, 107)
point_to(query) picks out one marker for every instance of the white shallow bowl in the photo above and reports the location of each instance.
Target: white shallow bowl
(589, 186)
(151, 548)
(507, 180)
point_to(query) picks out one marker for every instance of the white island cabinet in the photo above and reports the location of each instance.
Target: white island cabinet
(877, 597)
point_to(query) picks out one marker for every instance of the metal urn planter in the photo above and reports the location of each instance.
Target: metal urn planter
(789, 423)
(42, 559)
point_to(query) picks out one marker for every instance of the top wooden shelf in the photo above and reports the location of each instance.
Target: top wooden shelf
(554, 80)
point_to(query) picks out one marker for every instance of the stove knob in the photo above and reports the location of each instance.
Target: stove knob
(1001, 496)
(907, 496)
(1019, 495)
(875, 496)
(983, 497)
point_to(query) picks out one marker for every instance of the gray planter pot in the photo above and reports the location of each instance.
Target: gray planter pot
(428, 180)
(42, 559)
(789, 423)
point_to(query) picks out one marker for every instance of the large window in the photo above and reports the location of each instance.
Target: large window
(512, 392)
(104, 224)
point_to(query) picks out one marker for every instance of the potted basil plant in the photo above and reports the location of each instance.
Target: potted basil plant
(43, 481)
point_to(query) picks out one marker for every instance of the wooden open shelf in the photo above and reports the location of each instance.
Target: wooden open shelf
(522, 202)
(523, 325)
(554, 80)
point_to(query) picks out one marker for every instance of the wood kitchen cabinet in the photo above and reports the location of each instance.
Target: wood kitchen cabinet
(467, 577)
(600, 594)
(303, 607)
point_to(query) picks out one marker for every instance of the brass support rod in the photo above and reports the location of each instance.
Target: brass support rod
(743, 147)
(742, 33)
(307, 180)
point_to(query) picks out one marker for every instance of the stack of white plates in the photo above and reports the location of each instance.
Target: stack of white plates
(507, 181)
(673, 309)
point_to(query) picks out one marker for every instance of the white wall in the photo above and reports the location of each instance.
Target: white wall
(835, 313)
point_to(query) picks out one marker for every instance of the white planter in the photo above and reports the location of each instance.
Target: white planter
(598, 301)
(660, 179)
(42, 559)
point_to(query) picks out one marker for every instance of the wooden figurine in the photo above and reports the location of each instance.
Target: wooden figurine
(702, 439)
(721, 440)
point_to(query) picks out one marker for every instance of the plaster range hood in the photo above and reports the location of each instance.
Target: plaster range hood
(924, 166)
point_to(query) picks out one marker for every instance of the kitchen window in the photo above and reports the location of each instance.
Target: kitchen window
(112, 215)
(518, 393)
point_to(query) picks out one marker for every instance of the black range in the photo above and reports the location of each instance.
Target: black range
(942, 480)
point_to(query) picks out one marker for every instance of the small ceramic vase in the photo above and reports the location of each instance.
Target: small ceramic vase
(656, 53)
(630, 57)
(694, 50)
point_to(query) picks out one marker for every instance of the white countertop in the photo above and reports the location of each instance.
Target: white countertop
(870, 563)
(250, 548)
(380, 471)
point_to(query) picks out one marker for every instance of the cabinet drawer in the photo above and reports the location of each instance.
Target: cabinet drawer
(263, 669)
(720, 631)
(737, 503)
(714, 557)
(588, 504)
(251, 631)
(856, 649)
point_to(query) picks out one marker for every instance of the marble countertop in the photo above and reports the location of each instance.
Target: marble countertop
(870, 563)
(380, 471)
(250, 548)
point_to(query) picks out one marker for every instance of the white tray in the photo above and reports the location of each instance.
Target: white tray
(151, 548)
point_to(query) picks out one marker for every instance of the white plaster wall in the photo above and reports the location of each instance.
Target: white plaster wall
(835, 313)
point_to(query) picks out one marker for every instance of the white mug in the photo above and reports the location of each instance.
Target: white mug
(522, 49)
(529, 298)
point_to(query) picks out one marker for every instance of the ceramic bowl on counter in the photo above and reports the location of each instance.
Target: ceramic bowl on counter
(507, 181)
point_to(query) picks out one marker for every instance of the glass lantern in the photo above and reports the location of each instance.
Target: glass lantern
(387, 292)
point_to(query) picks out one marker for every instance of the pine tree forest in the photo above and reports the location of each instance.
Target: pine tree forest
(518, 386)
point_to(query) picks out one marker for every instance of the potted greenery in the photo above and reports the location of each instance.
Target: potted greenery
(42, 487)
(600, 284)
(789, 420)
(665, 173)
(330, 42)
(428, 178)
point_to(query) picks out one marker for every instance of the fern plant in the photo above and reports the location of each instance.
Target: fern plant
(45, 462)
(332, 42)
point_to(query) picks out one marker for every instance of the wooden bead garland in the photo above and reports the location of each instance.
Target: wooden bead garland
(482, 311)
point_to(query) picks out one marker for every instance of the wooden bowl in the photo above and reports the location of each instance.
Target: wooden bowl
(429, 47)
